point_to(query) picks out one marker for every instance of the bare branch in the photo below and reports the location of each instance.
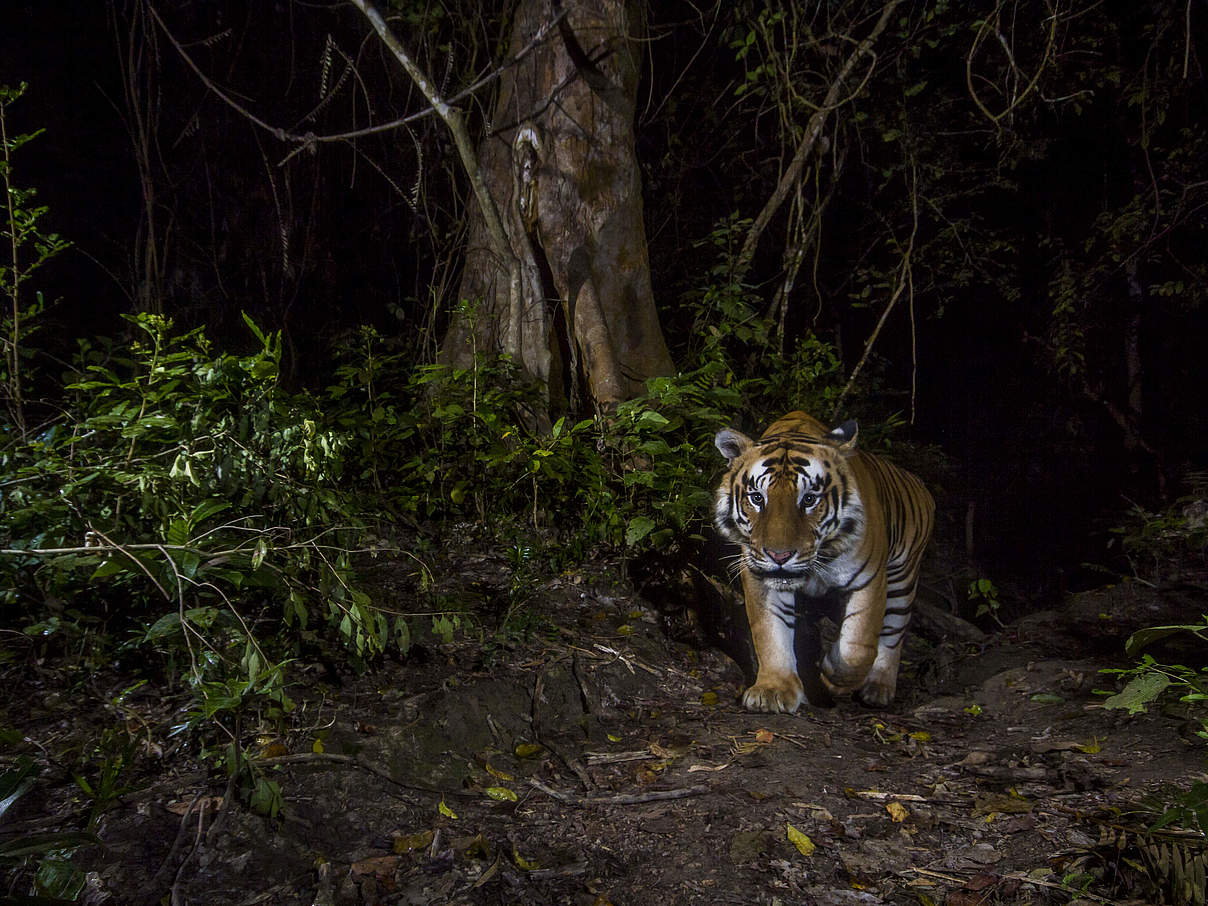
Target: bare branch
(310, 138)
(812, 132)
(905, 281)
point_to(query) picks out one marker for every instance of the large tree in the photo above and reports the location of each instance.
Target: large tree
(556, 272)
(560, 164)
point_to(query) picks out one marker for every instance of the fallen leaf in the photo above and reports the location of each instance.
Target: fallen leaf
(999, 803)
(522, 863)
(273, 750)
(500, 794)
(804, 844)
(764, 736)
(897, 812)
(708, 698)
(409, 843)
(472, 847)
(817, 812)
(528, 749)
(317, 746)
(498, 774)
(446, 811)
(378, 866)
(1091, 748)
(181, 806)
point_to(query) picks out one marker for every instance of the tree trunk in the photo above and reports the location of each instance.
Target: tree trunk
(560, 163)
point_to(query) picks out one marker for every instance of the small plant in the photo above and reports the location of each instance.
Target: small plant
(984, 593)
(25, 249)
(43, 859)
(1166, 545)
(1150, 680)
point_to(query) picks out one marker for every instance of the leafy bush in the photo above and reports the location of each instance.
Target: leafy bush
(187, 484)
(1166, 545)
(24, 248)
(1150, 680)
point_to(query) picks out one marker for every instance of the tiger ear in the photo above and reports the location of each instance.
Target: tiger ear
(845, 436)
(731, 443)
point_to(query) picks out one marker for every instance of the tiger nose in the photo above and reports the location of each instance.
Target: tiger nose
(778, 557)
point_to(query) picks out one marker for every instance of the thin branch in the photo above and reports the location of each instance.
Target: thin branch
(309, 138)
(905, 281)
(1014, 102)
(620, 799)
(454, 119)
(812, 132)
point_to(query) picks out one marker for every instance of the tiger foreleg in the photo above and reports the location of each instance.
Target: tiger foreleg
(777, 685)
(846, 667)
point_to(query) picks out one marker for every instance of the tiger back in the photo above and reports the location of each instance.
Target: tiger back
(816, 519)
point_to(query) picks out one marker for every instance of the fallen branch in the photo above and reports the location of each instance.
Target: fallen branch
(620, 799)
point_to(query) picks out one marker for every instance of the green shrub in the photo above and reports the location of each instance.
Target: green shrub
(189, 486)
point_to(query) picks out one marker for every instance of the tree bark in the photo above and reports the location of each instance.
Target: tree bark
(561, 164)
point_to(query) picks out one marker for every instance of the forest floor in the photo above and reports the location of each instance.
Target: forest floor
(593, 760)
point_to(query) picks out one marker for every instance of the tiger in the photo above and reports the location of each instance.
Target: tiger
(819, 522)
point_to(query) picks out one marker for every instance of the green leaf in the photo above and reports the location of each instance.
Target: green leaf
(16, 782)
(177, 533)
(167, 625)
(639, 527)
(111, 567)
(206, 509)
(267, 799)
(34, 844)
(1139, 692)
(1144, 637)
(652, 420)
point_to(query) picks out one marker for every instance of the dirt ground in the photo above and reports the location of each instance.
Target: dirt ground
(594, 759)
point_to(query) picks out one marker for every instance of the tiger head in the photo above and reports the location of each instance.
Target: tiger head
(790, 499)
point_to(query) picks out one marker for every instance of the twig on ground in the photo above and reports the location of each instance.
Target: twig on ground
(621, 798)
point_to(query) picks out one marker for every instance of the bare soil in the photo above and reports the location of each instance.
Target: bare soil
(593, 759)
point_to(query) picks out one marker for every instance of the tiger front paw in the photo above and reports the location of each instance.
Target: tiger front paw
(783, 694)
(842, 676)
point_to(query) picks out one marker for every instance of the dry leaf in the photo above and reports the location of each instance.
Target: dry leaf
(804, 844)
(409, 843)
(498, 774)
(522, 863)
(897, 812)
(378, 866)
(180, 806)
